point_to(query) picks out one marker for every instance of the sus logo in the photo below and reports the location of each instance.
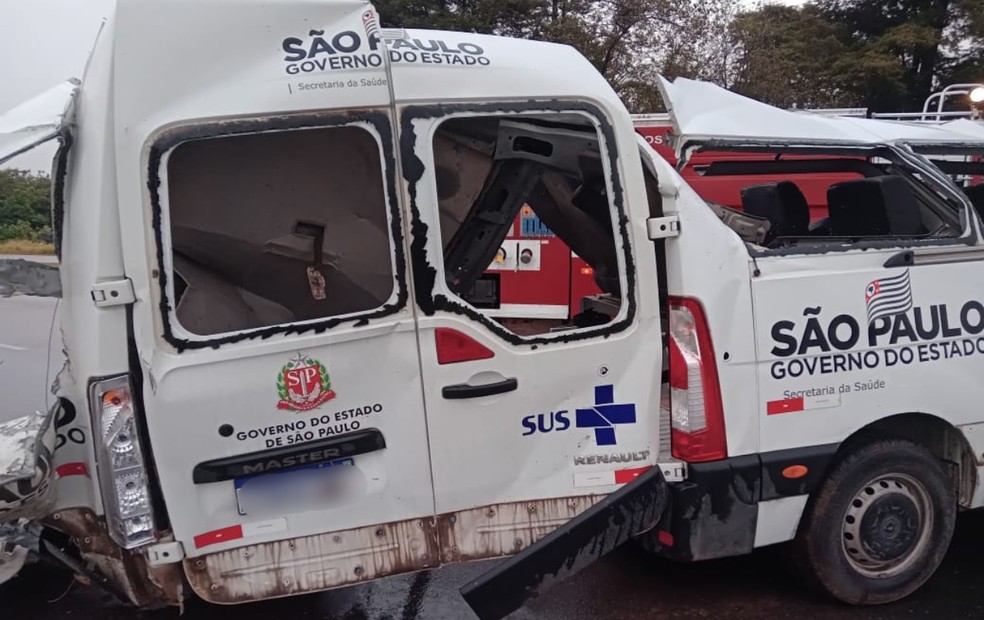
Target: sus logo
(303, 384)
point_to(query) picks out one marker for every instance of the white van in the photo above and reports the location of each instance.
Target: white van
(268, 227)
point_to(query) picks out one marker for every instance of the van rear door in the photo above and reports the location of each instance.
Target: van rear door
(275, 348)
(534, 420)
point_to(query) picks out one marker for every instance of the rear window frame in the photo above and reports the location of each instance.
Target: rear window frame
(376, 122)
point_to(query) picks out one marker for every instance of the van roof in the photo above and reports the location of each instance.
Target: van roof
(176, 60)
(702, 112)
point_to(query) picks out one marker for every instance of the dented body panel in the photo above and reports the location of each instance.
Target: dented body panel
(264, 390)
(284, 373)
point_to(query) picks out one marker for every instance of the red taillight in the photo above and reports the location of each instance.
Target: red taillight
(454, 346)
(696, 412)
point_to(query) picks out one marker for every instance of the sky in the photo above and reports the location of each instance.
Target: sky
(44, 42)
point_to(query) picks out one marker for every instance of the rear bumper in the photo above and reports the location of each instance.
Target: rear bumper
(714, 512)
(631, 511)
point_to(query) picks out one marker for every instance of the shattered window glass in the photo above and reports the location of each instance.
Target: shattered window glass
(526, 221)
(277, 227)
(789, 198)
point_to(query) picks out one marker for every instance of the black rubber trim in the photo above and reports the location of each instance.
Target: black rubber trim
(278, 459)
(815, 458)
(629, 511)
(158, 503)
(463, 390)
(901, 259)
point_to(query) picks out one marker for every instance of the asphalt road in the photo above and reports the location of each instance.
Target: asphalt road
(629, 584)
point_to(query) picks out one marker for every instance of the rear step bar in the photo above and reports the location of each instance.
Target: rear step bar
(632, 510)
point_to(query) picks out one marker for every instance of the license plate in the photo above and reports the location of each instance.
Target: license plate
(305, 488)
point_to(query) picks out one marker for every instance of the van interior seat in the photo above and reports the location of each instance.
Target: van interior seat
(877, 206)
(783, 204)
(976, 195)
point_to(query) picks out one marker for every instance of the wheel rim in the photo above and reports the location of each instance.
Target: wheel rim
(887, 525)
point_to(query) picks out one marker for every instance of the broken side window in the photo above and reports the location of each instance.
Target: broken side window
(837, 198)
(966, 168)
(527, 225)
(277, 227)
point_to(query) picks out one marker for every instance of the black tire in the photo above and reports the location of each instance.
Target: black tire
(879, 525)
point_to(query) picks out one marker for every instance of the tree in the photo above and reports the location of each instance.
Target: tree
(931, 42)
(963, 44)
(24, 205)
(629, 41)
(791, 57)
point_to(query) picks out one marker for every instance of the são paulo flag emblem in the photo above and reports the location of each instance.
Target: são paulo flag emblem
(303, 384)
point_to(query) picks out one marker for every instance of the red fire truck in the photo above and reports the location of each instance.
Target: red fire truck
(536, 276)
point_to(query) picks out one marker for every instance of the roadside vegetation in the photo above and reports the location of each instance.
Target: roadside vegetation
(25, 212)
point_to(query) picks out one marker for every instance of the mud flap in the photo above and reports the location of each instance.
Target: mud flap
(632, 510)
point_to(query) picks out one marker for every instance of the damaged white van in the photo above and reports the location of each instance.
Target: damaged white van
(275, 382)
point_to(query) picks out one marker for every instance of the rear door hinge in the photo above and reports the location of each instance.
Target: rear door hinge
(663, 227)
(113, 293)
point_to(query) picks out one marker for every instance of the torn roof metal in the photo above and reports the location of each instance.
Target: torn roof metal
(702, 112)
(37, 120)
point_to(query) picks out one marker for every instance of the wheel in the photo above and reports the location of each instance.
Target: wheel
(879, 525)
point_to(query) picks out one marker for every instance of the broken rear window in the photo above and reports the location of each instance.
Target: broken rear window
(277, 227)
(527, 225)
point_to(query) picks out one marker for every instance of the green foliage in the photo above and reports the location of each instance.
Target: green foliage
(910, 47)
(886, 56)
(629, 41)
(24, 206)
(791, 57)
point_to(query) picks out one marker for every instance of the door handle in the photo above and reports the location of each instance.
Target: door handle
(464, 390)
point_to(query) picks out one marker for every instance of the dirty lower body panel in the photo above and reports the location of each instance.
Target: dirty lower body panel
(320, 562)
(124, 573)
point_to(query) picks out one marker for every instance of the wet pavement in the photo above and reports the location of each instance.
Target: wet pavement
(629, 585)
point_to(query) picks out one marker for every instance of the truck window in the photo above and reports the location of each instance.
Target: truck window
(277, 227)
(514, 192)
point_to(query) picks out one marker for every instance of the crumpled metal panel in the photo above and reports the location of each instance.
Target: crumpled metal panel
(127, 573)
(26, 448)
(312, 563)
(37, 120)
(12, 559)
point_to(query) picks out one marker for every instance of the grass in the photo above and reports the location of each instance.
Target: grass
(25, 246)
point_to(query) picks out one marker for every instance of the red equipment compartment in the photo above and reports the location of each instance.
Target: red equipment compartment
(538, 276)
(726, 190)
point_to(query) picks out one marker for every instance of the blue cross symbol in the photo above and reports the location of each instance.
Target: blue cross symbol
(605, 415)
